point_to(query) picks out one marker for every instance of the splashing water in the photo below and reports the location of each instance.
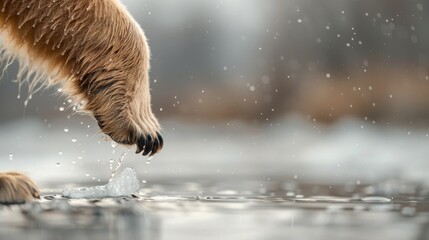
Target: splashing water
(148, 161)
(124, 184)
(118, 165)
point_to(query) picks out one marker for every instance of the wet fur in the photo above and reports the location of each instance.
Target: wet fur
(96, 52)
(17, 188)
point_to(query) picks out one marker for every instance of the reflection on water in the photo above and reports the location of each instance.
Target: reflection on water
(233, 210)
(304, 181)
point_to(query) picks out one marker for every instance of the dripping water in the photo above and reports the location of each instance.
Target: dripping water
(118, 164)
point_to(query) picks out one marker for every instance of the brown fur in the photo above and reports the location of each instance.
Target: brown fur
(96, 52)
(17, 188)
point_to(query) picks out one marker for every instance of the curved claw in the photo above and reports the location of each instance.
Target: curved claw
(161, 141)
(155, 147)
(140, 144)
(149, 145)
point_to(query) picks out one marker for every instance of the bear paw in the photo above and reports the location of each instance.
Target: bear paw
(17, 188)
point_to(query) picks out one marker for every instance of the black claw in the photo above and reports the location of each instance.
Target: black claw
(140, 144)
(155, 147)
(161, 141)
(149, 145)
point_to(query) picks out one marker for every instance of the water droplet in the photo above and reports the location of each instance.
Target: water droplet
(74, 140)
(87, 174)
(66, 130)
(118, 165)
(144, 181)
(58, 164)
(10, 156)
(61, 109)
(148, 161)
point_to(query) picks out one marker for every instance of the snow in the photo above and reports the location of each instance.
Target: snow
(121, 185)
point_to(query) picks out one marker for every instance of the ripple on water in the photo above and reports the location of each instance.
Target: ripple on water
(376, 199)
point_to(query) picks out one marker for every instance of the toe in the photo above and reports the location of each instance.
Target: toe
(155, 147)
(140, 144)
(160, 140)
(149, 145)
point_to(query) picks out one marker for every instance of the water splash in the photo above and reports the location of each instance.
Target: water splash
(124, 184)
(149, 160)
(118, 165)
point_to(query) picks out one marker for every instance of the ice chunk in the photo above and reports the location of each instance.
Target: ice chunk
(121, 185)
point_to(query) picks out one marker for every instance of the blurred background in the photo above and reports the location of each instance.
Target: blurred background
(315, 90)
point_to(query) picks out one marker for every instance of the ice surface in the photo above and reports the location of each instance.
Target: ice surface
(124, 184)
